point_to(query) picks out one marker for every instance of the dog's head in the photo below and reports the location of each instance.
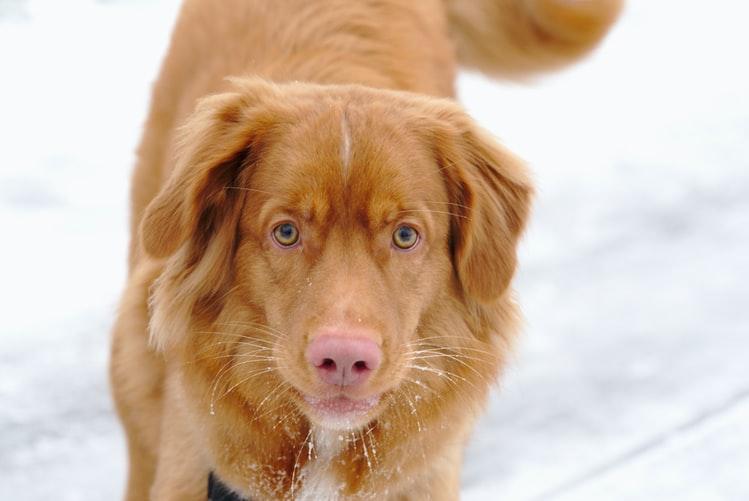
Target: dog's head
(328, 247)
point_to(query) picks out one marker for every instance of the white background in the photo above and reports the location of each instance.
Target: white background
(632, 377)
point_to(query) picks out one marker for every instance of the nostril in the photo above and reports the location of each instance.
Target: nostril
(343, 360)
(328, 364)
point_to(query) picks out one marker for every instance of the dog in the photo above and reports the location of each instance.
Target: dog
(323, 243)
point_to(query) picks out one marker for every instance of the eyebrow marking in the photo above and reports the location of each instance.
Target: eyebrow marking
(345, 146)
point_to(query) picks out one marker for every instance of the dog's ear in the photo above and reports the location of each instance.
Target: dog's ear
(223, 136)
(490, 192)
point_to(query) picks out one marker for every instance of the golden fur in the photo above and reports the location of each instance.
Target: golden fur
(327, 122)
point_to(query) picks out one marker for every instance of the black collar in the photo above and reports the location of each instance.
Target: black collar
(218, 491)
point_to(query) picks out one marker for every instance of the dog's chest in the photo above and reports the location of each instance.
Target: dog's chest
(319, 482)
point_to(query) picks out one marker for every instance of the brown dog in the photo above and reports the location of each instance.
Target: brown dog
(318, 298)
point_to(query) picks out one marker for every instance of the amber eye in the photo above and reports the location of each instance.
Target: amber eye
(286, 234)
(405, 237)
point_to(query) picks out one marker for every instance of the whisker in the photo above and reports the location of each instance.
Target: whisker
(283, 385)
(246, 341)
(433, 391)
(252, 375)
(442, 336)
(366, 451)
(286, 416)
(413, 411)
(444, 355)
(352, 441)
(252, 343)
(287, 389)
(296, 462)
(228, 367)
(448, 376)
(417, 347)
(372, 447)
(419, 425)
(423, 342)
(234, 334)
(253, 324)
(311, 448)
(422, 385)
(256, 358)
(439, 352)
(459, 358)
(257, 327)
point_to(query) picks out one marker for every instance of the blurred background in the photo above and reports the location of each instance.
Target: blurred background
(631, 380)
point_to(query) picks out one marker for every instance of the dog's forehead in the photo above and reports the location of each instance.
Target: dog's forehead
(350, 159)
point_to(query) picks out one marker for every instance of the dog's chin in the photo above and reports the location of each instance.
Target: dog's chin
(341, 412)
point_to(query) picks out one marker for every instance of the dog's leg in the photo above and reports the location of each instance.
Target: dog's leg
(136, 374)
(181, 473)
(141, 468)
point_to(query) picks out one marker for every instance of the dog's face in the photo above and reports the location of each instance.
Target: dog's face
(344, 245)
(330, 246)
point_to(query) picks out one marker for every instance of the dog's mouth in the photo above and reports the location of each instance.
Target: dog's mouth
(341, 412)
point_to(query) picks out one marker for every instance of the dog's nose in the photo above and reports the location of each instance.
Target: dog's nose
(344, 361)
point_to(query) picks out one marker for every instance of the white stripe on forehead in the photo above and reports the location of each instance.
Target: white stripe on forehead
(345, 146)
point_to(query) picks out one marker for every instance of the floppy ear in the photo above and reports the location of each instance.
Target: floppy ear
(222, 137)
(491, 193)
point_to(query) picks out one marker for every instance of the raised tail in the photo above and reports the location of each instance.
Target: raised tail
(521, 38)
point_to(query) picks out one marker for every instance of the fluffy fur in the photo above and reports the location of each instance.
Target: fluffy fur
(327, 123)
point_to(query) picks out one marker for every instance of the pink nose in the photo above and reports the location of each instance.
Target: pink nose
(343, 361)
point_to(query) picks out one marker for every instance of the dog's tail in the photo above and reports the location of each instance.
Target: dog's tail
(520, 38)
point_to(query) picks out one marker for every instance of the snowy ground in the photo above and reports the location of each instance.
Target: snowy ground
(632, 379)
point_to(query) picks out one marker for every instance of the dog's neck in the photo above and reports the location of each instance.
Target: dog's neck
(319, 481)
(218, 491)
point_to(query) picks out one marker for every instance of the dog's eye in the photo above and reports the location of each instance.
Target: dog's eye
(405, 237)
(286, 234)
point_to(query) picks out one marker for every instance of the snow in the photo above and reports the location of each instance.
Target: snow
(630, 381)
